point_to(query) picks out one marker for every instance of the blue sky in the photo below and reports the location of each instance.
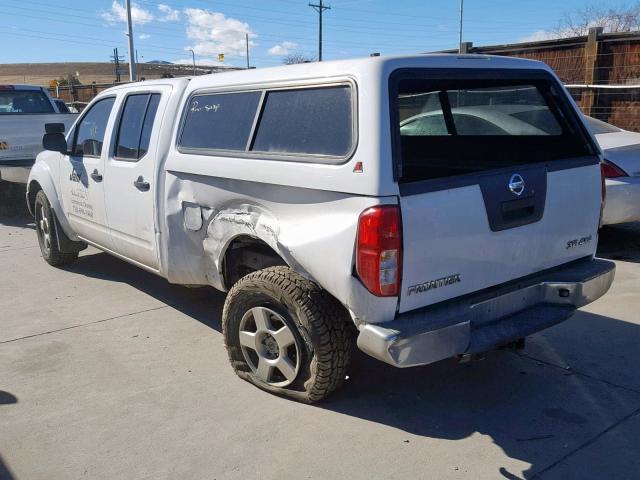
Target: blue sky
(88, 30)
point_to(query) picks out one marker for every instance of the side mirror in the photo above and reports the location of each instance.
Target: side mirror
(55, 142)
(54, 138)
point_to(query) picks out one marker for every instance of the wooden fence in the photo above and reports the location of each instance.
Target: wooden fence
(602, 71)
(79, 95)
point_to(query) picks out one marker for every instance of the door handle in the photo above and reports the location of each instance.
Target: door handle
(96, 175)
(141, 185)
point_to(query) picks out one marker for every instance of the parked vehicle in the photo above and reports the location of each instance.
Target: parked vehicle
(24, 110)
(501, 119)
(296, 190)
(621, 168)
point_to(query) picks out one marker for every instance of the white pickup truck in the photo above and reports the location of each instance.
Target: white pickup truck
(307, 194)
(24, 110)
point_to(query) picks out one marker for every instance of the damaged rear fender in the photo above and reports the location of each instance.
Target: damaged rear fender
(245, 220)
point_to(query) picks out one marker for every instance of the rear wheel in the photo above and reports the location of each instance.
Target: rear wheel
(47, 234)
(286, 335)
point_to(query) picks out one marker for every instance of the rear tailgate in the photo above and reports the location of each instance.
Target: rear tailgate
(21, 134)
(498, 180)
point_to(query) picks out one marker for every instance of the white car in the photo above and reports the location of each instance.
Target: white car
(298, 190)
(621, 168)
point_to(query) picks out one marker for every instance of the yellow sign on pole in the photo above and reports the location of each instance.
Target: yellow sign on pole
(221, 57)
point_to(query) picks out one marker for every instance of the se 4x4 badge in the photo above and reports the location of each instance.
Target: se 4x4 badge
(578, 242)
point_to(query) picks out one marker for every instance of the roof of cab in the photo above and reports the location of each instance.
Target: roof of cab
(359, 67)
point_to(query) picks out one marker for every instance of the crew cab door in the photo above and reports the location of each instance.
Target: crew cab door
(130, 178)
(82, 174)
(498, 180)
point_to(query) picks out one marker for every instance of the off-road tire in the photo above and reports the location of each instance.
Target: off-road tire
(49, 248)
(320, 324)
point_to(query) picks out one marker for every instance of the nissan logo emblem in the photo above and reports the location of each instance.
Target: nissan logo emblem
(516, 184)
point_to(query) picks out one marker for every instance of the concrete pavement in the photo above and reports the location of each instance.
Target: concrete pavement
(107, 371)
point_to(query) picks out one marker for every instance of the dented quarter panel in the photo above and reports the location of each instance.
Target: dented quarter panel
(309, 229)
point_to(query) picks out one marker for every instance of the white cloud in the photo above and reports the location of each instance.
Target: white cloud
(284, 48)
(213, 33)
(168, 14)
(144, 36)
(118, 13)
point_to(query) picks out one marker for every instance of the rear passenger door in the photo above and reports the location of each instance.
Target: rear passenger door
(130, 175)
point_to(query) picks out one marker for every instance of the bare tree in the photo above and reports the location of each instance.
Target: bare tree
(294, 58)
(612, 20)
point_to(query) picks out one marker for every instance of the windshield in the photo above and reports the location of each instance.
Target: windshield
(598, 127)
(24, 101)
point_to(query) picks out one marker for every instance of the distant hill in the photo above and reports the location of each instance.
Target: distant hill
(159, 62)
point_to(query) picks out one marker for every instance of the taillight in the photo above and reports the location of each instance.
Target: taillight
(379, 250)
(611, 170)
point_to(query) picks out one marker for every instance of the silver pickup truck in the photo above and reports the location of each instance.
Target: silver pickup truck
(24, 111)
(341, 203)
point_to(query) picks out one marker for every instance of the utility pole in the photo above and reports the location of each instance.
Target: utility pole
(320, 8)
(460, 30)
(116, 64)
(193, 57)
(246, 37)
(132, 63)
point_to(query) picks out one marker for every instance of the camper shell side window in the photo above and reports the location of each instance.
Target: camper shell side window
(311, 123)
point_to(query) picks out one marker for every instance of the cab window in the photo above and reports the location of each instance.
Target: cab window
(136, 124)
(91, 129)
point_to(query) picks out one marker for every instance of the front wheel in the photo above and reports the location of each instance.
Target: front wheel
(286, 335)
(47, 234)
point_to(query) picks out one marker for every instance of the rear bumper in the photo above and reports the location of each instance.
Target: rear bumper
(622, 203)
(16, 171)
(489, 319)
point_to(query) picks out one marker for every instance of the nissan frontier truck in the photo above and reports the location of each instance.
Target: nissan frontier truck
(420, 207)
